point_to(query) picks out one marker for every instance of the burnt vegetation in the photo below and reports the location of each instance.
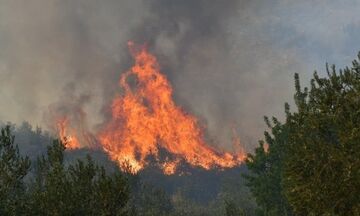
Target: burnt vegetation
(307, 165)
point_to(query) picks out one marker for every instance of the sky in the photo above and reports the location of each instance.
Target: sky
(230, 62)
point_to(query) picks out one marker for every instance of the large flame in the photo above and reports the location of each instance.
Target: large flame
(145, 119)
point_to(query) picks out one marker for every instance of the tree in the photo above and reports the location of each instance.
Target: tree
(50, 193)
(322, 166)
(111, 194)
(31, 141)
(151, 201)
(312, 164)
(235, 192)
(232, 210)
(266, 166)
(54, 187)
(13, 169)
(82, 188)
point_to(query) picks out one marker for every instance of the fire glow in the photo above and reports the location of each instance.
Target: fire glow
(145, 119)
(67, 135)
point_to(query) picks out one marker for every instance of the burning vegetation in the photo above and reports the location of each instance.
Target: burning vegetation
(146, 119)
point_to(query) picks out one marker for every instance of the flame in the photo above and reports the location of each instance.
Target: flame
(67, 135)
(169, 167)
(145, 118)
(241, 154)
(266, 147)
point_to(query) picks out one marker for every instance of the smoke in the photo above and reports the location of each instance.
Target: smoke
(220, 63)
(230, 62)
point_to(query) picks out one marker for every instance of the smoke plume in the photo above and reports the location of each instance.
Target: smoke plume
(230, 62)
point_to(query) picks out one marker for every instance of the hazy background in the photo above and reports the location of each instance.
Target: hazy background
(230, 61)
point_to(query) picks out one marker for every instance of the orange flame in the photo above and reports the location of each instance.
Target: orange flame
(169, 167)
(67, 136)
(266, 147)
(145, 118)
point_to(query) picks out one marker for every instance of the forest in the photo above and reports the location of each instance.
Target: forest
(307, 164)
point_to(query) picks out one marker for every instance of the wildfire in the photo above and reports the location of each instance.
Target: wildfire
(169, 167)
(67, 136)
(145, 119)
(266, 147)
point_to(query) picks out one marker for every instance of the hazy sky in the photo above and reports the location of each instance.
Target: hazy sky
(230, 62)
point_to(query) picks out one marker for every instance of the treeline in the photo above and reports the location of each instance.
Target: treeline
(53, 181)
(81, 188)
(310, 163)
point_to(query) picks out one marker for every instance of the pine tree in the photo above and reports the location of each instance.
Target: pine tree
(83, 188)
(13, 169)
(312, 164)
(322, 166)
(266, 166)
(51, 190)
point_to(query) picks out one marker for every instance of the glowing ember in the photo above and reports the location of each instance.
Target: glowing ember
(169, 167)
(145, 118)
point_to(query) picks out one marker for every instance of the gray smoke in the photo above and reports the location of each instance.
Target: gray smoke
(230, 62)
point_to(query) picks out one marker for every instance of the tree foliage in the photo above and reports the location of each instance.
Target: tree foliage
(231, 209)
(56, 188)
(312, 165)
(322, 172)
(82, 188)
(152, 201)
(266, 166)
(13, 169)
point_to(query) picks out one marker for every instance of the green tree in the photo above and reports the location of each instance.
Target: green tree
(232, 210)
(82, 188)
(312, 161)
(322, 166)
(234, 191)
(51, 192)
(111, 194)
(266, 166)
(13, 169)
(152, 201)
